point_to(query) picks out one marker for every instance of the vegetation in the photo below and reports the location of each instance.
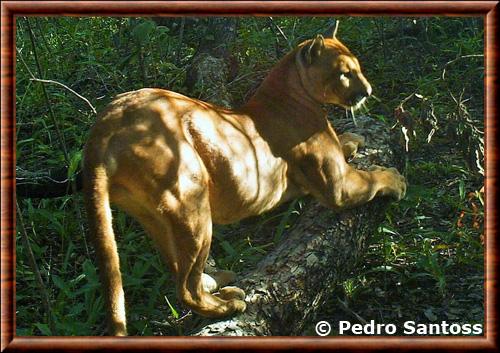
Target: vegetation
(425, 262)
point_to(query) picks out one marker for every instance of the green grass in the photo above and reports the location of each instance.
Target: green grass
(425, 262)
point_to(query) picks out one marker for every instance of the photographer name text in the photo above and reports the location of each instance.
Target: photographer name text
(410, 328)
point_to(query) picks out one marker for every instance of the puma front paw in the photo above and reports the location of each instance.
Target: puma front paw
(393, 184)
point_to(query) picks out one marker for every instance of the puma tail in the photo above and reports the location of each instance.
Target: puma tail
(96, 192)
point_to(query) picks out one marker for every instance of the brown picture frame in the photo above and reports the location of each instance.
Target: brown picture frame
(11, 9)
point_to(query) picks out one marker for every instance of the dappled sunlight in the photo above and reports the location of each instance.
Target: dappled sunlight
(177, 165)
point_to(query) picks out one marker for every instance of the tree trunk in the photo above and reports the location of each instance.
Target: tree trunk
(294, 281)
(213, 66)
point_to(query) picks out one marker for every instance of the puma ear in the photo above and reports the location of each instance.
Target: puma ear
(314, 49)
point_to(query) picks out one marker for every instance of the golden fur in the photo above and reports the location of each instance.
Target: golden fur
(177, 165)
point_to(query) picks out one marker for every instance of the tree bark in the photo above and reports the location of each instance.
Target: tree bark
(214, 64)
(294, 281)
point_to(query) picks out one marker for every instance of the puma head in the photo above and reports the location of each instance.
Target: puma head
(330, 73)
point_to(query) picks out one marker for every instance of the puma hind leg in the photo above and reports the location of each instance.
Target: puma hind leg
(185, 243)
(189, 273)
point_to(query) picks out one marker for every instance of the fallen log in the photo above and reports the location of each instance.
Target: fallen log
(294, 281)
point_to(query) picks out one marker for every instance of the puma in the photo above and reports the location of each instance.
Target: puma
(178, 165)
